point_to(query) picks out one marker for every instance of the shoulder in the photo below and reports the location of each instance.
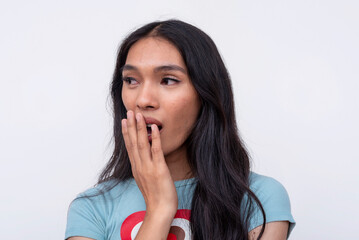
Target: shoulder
(89, 212)
(107, 189)
(267, 188)
(274, 199)
(93, 198)
(102, 194)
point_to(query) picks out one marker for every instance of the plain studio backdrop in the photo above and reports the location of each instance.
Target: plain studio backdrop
(294, 66)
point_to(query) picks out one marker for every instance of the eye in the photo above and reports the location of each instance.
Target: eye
(129, 80)
(169, 81)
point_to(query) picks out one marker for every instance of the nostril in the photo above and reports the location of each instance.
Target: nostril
(140, 106)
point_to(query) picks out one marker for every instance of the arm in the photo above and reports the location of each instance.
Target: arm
(154, 180)
(152, 176)
(272, 231)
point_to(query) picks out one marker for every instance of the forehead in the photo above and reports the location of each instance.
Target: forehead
(154, 51)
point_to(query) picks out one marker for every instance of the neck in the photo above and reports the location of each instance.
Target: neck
(177, 163)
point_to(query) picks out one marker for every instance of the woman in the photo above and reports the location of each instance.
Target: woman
(179, 169)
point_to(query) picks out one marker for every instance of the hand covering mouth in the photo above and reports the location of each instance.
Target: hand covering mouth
(149, 121)
(149, 130)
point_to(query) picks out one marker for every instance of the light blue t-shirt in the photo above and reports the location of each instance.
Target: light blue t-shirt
(118, 213)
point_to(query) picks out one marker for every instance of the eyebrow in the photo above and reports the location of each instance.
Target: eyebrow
(170, 67)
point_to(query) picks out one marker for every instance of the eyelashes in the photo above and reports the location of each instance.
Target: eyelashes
(129, 80)
(170, 81)
(165, 81)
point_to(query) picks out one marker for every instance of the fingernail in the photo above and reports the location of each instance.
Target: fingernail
(129, 114)
(124, 123)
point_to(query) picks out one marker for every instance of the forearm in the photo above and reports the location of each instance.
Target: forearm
(150, 170)
(155, 226)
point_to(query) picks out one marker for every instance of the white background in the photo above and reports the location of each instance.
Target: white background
(294, 66)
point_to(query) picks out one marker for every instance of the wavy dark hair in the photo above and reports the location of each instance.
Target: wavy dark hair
(222, 203)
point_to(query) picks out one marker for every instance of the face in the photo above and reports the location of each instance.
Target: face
(156, 84)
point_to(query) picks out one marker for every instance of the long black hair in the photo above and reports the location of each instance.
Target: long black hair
(222, 203)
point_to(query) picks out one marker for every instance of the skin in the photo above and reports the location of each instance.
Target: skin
(157, 85)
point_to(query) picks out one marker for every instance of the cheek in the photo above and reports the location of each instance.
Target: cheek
(127, 99)
(186, 111)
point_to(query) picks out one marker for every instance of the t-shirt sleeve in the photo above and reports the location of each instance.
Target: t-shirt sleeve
(275, 201)
(84, 220)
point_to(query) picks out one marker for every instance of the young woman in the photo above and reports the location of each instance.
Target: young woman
(179, 169)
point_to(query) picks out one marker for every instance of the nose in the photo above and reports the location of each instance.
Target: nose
(147, 97)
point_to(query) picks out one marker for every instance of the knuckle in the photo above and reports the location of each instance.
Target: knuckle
(133, 144)
(141, 145)
(156, 149)
(139, 127)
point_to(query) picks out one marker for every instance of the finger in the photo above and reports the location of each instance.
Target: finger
(156, 148)
(143, 144)
(127, 140)
(132, 137)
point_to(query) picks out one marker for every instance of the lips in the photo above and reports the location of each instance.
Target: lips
(149, 121)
